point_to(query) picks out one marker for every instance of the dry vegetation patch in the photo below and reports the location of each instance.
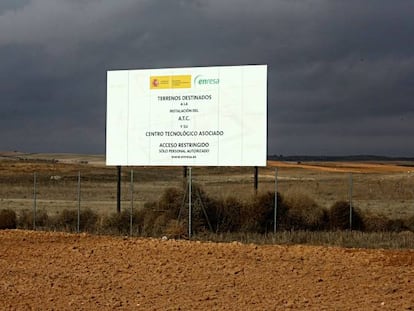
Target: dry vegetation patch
(382, 193)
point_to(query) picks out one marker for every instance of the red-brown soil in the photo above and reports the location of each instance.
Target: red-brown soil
(57, 271)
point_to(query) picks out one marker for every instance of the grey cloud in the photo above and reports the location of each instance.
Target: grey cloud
(341, 74)
(12, 5)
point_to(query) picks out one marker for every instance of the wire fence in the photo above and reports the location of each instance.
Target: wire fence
(54, 192)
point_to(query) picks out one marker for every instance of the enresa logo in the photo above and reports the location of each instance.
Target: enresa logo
(201, 80)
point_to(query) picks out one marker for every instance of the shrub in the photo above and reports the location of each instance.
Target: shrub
(224, 214)
(202, 210)
(88, 220)
(258, 216)
(8, 219)
(409, 223)
(25, 219)
(117, 222)
(68, 220)
(396, 225)
(339, 217)
(173, 205)
(159, 224)
(375, 223)
(138, 220)
(171, 202)
(303, 213)
(176, 229)
(149, 217)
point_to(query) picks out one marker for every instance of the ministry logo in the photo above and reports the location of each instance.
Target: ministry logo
(155, 83)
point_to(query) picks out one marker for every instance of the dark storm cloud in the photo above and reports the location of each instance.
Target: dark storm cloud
(341, 73)
(12, 5)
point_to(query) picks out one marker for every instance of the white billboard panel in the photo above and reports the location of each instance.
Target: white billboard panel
(200, 116)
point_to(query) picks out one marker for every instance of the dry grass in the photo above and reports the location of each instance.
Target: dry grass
(353, 239)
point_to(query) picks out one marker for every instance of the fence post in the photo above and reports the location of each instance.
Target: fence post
(79, 202)
(350, 200)
(132, 202)
(34, 200)
(275, 212)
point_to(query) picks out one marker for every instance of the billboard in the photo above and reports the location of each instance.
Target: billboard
(199, 116)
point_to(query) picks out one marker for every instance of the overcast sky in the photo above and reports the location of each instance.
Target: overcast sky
(340, 80)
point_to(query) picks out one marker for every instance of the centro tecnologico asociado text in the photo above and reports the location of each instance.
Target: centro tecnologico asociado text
(184, 133)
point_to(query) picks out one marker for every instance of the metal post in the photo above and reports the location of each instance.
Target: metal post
(132, 202)
(118, 191)
(350, 200)
(275, 213)
(34, 200)
(79, 201)
(256, 179)
(189, 202)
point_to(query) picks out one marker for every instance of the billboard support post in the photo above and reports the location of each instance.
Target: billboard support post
(350, 200)
(256, 179)
(132, 202)
(79, 201)
(189, 202)
(34, 199)
(118, 190)
(275, 213)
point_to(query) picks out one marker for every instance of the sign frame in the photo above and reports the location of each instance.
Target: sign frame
(191, 116)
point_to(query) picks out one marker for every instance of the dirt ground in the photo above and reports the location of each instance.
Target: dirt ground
(58, 271)
(345, 167)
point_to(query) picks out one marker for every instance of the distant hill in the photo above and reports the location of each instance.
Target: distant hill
(100, 159)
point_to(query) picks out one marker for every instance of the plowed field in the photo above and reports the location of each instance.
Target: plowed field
(57, 271)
